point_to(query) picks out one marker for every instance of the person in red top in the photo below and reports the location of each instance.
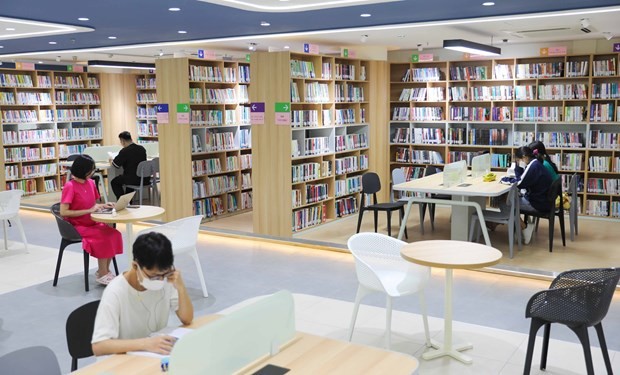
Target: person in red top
(78, 201)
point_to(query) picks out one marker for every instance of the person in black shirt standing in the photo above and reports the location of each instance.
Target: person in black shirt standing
(128, 158)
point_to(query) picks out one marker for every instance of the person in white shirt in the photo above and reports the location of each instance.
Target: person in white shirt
(138, 304)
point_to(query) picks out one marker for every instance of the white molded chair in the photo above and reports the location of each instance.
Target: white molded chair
(9, 210)
(183, 234)
(145, 170)
(380, 268)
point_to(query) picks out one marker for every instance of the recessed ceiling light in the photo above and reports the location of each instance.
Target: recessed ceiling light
(174, 9)
(1, 46)
(10, 29)
(39, 62)
(182, 32)
(286, 47)
(400, 36)
(52, 42)
(488, 4)
(365, 15)
(265, 23)
(83, 19)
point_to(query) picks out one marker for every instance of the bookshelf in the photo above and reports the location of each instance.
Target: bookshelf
(319, 158)
(46, 116)
(146, 114)
(568, 102)
(216, 145)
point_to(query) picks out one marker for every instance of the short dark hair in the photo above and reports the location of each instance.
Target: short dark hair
(82, 166)
(126, 136)
(153, 250)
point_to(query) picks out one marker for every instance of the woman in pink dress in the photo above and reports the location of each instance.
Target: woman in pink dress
(78, 201)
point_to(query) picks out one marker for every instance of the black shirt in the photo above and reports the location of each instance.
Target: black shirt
(129, 157)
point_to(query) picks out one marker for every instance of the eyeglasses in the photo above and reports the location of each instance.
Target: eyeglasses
(162, 276)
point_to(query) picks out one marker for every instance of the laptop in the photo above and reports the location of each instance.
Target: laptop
(121, 204)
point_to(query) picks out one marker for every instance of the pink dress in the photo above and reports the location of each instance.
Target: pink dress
(98, 239)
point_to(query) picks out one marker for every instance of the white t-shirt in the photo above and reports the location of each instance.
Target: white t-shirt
(125, 313)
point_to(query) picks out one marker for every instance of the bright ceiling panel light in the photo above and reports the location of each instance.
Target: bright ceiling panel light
(466, 46)
(15, 28)
(285, 6)
(120, 65)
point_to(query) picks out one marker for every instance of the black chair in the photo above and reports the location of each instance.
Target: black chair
(575, 202)
(371, 184)
(430, 170)
(79, 327)
(70, 236)
(578, 299)
(96, 176)
(554, 191)
(34, 360)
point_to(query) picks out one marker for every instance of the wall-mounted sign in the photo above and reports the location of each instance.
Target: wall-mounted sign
(257, 113)
(163, 115)
(283, 113)
(311, 48)
(183, 113)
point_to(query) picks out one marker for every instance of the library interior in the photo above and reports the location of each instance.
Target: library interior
(265, 131)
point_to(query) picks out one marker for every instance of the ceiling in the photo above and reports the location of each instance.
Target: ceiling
(146, 29)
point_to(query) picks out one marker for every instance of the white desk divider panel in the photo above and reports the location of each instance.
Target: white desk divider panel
(480, 165)
(231, 343)
(101, 153)
(454, 173)
(152, 149)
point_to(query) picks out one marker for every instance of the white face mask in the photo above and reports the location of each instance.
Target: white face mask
(522, 164)
(149, 284)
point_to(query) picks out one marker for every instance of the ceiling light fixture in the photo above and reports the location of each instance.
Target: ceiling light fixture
(462, 45)
(174, 9)
(265, 23)
(52, 42)
(83, 19)
(112, 37)
(119, 64)
(365, 15)
(488, 3)
(182, 32)
(10, 29)
(252, 46)
(286, 47)
(364, 38)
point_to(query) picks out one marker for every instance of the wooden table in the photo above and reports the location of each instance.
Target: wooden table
(450, 255)
(128, 216)
(464, 199)
(307, 354)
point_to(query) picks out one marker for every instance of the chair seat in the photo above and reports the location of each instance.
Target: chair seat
(386, 206)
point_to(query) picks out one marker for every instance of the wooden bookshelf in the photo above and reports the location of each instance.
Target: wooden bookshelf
(568, 102)
(46, 116)
(146, 114)
(206, 165)
(309, 172)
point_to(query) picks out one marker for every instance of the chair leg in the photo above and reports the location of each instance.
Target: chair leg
(61, 250)
(20, 227)
(431, 212)
(545, 348)
(582, 333)
(551, 232)
(74, 364)
(376, 217)
(201, 277)
(115, 265)
(423, 310)
(402, 216)
(359, 219)
(388, 322)
(6, 242)
(534, 327)
(603, 343)
(422, 209)
(389, 222)
(361, 293)
(86, 261)
(562, 231)
(511, 237)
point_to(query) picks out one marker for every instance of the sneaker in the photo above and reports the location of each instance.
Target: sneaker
(527, 233)
(105, 279)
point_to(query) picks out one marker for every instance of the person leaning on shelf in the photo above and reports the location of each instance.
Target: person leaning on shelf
(138, 303)
(128, 158)
(538, 146)
(77, 202)
(536, 180)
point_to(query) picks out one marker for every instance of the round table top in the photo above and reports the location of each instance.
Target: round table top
(451, 254)
(130, 215)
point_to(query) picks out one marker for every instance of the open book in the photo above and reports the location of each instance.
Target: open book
(176, 332)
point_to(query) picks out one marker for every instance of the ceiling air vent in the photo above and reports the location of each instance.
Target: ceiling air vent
(544, 33)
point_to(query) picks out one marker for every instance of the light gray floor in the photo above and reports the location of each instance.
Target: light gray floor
(37, 315)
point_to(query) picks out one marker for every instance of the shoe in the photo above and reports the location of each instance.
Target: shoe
(527, 233)
(105, 279)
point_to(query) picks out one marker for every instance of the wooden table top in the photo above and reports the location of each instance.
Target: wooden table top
(451, 254)
(306, 354)
(130, 215)
(434, 184)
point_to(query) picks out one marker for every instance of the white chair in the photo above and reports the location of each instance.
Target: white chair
(183, 234)
(9, 210)
(145, 170)
(380, 268)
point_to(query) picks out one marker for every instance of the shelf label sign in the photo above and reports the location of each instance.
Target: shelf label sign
(163, 116)
(78, 68)
(283, 113)
(556, 51)
(24, 66)
(422, 57)
(415, 57)
(311, 48)
(616, 47)
(183, 113)
(201, 53)
(348, 53)
(257, 113)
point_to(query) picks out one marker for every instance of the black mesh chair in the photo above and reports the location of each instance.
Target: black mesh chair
(554, 191)
(371, 185)
(34, 360)
(578, 299)
(70, 236)
(79, 327)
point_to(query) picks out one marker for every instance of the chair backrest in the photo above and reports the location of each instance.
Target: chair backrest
(573, 187)
(182, 233)
(155, 163)
(34, 360)
(555, 190)
(145, 169)
(398, 177)
(371, 184)
(66, 229)
(9, 202)
(376, 255)
(430, 170)
(79, 328)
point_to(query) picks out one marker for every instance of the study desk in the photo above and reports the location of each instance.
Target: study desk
(450, 255)
(464, 198)
(129, 216)
(306, 354)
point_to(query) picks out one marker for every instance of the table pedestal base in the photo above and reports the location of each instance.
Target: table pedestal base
(452, 352)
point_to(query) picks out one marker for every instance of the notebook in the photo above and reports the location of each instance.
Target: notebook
(120, 205)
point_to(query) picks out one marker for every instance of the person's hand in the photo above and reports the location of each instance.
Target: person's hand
(160, 344)
(176, 280)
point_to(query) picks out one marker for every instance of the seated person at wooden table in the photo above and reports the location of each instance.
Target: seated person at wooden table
(539, 147)
(536, 180)
(138, 303)
(78, 201)
(128, 158)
